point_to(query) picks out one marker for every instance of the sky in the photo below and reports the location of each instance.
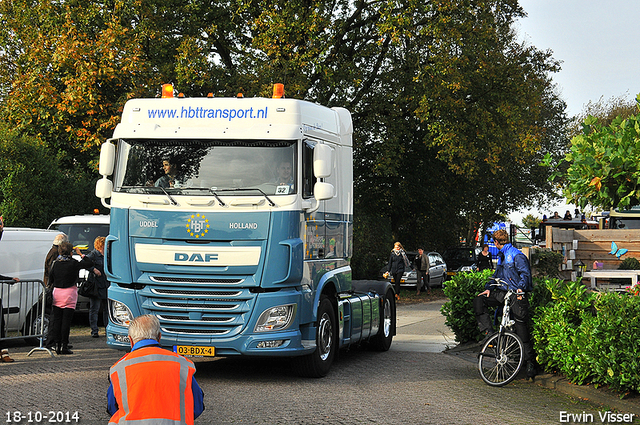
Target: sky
(598, 44)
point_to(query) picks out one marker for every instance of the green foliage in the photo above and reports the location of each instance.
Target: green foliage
(435, 88)
(372, 236)
(604, 164)
(33, 189)
(629, 263)
(545, 262)
(589, 337)
(531, 221)
(461, 290)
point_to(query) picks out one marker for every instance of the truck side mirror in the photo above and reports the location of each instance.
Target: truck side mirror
(104, 187)
(322, 161)
(323, 191)
(107, 158)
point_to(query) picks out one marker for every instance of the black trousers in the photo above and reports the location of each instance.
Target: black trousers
(519, 312)
(397, 277)
(61, 325)
(423, 279)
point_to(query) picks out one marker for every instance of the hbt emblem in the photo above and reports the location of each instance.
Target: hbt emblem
(197, 225)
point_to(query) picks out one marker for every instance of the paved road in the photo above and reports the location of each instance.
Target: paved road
(413, 383)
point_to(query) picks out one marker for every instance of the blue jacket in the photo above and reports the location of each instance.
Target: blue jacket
(513, 266)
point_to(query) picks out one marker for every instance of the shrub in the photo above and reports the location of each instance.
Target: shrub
(546, 263)
(556, 324)
(629, 263)
(461, 290)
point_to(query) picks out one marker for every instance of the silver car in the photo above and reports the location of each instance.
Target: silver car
(437, 271)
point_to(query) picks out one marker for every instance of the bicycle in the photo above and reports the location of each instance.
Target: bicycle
(502, 354)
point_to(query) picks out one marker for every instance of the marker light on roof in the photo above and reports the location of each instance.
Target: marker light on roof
(167, 91)
(278, 91)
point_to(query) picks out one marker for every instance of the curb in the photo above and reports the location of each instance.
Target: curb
(599, 396)
(588, 392)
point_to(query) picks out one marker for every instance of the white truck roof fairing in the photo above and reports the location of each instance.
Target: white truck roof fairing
(230, 118)
(82, 219)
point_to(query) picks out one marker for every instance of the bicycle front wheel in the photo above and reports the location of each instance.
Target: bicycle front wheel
(501, 358)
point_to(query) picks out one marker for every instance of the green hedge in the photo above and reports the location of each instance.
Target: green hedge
(461, 289)
(588, 337)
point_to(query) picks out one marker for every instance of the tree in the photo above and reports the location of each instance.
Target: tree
(531, 221)
(605, 111)
(33, 189)
(451, 114)
(604, 164)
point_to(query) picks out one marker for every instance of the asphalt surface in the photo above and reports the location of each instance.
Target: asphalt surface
(412, 383)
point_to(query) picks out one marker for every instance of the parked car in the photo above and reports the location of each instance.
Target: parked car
(461, 259)
(437, 271)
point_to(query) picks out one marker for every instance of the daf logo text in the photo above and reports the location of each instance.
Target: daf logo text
(195, 258)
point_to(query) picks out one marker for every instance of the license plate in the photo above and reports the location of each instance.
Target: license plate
(189, 350)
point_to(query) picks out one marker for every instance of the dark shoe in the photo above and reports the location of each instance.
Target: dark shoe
(95, 336)
(65, 350)
(532, 370)
(485, 337)
(69, 346)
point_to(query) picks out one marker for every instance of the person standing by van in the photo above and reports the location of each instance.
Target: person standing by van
(63, 276)
(98, 276)
(4, 353)
(52, 255)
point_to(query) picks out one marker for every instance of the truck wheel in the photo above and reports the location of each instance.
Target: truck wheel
(382, 341)
(318, 363)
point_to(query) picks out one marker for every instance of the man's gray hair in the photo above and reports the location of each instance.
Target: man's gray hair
(60, 238)
(144, 327)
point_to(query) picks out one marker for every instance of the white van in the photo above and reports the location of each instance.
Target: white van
(22, 255)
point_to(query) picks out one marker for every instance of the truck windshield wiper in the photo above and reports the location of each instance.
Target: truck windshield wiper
(215, 195)
(273, 204)
(173, 201)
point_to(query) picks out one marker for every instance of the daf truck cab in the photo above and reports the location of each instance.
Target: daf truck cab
(232, 221)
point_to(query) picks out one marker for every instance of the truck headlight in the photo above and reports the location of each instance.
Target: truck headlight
(120, 313)
(276, 318)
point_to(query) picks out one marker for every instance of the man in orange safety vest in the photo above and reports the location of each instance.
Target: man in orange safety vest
(151, 385)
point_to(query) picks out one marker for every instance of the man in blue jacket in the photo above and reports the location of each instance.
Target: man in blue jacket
(513, 267)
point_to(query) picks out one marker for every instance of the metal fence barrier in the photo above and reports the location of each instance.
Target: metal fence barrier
(23, 312)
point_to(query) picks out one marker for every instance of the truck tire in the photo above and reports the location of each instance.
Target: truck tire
(318, 363)
(382, 341)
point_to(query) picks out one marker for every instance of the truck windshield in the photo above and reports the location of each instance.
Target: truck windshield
(200, 167)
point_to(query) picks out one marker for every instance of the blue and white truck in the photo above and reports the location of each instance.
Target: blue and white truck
(232, 222)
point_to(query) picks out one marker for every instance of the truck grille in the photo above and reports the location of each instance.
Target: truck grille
(183, 280)
(202, 310)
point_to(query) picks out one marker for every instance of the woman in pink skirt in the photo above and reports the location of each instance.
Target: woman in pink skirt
(63, 276)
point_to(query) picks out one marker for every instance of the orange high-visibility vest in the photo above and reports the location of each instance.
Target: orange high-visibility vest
(153, 386)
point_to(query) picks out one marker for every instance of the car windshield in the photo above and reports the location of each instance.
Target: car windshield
(202, 167)
(83, 235)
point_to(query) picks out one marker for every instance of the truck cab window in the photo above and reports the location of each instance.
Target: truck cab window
(308, 178)
(197, 167)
